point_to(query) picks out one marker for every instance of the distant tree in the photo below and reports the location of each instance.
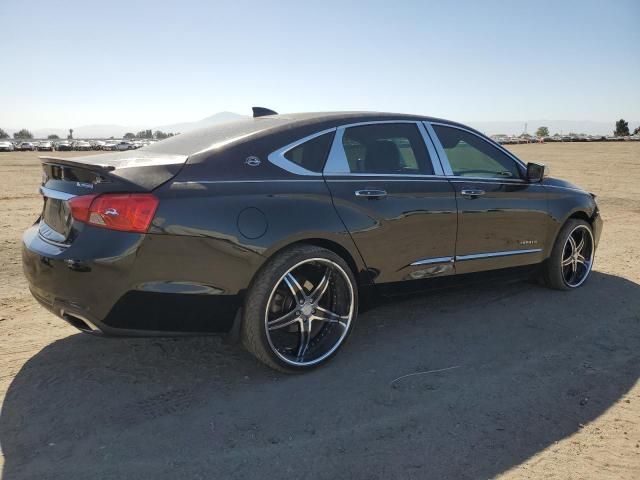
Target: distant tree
(70, 136)
(542, 132)
(622, 128)
(144, 134)
(53, 137)
(3, 134)
(23, 134)
(160, 135)
(129, 136)
(635, 132)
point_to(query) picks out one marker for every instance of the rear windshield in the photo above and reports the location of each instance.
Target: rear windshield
(205, 138)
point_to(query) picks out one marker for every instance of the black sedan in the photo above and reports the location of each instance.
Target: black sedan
(273, 227)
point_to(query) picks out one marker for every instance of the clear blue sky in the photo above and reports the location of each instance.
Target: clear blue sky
(152, 63)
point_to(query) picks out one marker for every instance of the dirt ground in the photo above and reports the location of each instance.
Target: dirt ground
(545, 384)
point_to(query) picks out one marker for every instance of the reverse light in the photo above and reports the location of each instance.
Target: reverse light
(126, 212)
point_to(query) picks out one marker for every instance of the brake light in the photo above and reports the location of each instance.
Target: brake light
(127, 212)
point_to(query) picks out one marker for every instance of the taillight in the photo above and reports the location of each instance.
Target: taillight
(127, 212)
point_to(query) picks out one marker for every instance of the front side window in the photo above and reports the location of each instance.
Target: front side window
(311, 154)
(391, 148)
(471, 156)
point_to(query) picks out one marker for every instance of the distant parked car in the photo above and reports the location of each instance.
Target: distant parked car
(124, 146)
(82, 145)
(111, 145)
(6, 146)
(45, 146)
(97, 144)
(64, 146)
(26, 146)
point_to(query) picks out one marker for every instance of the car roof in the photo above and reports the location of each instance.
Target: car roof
(279, 126)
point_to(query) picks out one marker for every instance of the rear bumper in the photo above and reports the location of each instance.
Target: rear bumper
(119, 283)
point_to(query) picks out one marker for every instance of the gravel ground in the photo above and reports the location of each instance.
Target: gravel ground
(534, 383)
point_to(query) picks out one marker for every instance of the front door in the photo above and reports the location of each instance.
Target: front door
(502, 218)
(400, 213)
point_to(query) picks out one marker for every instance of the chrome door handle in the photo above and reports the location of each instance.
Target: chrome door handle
(371, 194)
(472, 192)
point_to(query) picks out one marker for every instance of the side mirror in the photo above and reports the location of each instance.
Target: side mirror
(536, 172)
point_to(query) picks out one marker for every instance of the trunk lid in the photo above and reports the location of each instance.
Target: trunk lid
(65, 178)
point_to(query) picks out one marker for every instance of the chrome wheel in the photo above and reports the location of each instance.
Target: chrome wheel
(309, 312)
(577, 256)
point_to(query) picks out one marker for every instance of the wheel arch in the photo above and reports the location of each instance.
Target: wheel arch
(580, 213)
(350, 255)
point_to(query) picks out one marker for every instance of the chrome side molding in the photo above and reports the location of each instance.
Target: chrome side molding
(507, 253)
(429, 261)
(475, 256)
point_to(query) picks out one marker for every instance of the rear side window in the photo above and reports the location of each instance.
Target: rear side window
(471, 156)
(311, 154)
(392, 148)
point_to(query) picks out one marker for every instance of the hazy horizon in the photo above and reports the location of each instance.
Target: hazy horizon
(139, 64)
(513, 127)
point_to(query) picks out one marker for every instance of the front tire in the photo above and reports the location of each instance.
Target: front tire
(571, 259)
(300, 309)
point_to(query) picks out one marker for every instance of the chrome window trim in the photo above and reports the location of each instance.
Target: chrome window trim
(506, 181)
(56, 194)
(435, 159)
(337, 164)
(507, 253)
(393, 177)
(442, 155)
(278, 157)
(429, 261)
(445, 159)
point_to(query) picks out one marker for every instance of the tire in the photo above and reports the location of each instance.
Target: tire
(557, 273)
(300, 309)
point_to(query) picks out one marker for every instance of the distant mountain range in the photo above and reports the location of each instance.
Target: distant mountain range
(489, 128)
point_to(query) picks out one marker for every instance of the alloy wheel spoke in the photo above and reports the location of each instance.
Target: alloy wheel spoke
(580, 245)
(324, 315)
(284, 321)
(295, 288)
(305, 338)
(572, 242)
(320, 289)
(567, 261)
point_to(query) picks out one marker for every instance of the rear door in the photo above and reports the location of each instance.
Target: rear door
(388, 187)
(502, 218)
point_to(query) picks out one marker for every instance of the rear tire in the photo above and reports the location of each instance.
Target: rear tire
(300, 309)
(572, 256)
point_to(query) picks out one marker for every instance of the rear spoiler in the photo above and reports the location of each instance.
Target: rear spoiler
(134, 170)
(96, 167)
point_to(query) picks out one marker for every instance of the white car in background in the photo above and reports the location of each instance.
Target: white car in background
(47, 145)
(6, 146)
(82, 145)
(121, 146)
